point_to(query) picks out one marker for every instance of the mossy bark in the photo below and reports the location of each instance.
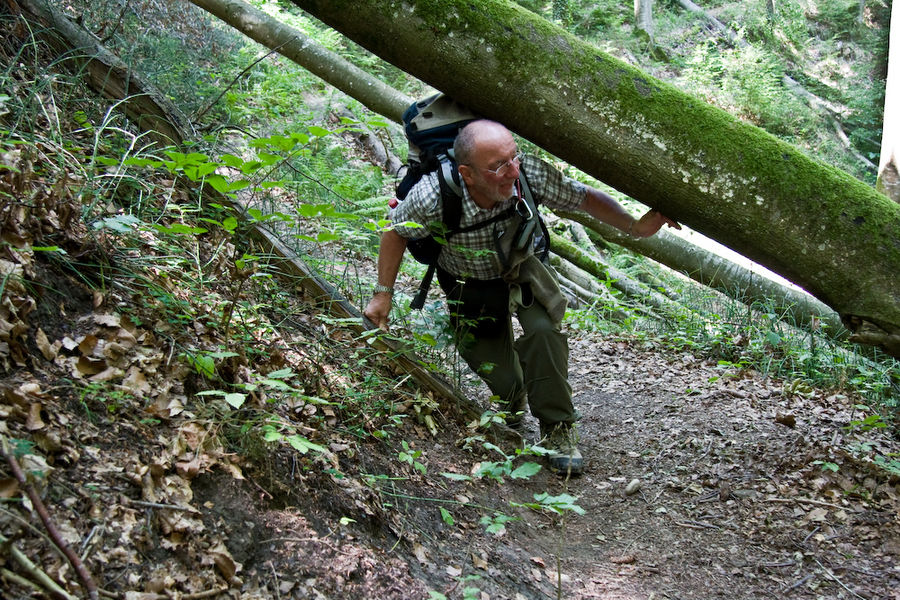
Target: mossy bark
(813, 224)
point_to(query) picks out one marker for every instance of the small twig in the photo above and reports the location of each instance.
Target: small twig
(275, 577)
(804, 501)
(836, 578)
(206, 594)
(146, 504)
(778, 565)
(25, 583)
(112, 31)
(799, 583)
(697, 525)
(261, 488)
(195, 596)
(239, 75)
(809, 535)
(87, 541)
(86, 580)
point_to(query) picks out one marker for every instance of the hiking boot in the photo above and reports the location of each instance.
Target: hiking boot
(564, 458)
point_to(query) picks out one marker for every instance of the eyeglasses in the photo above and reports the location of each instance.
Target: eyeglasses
(502, 169)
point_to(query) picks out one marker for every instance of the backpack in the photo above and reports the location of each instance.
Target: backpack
(431, 125)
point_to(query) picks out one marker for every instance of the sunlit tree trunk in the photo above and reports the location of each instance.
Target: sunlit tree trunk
(643, 17)
(292, 43)
(889, 165)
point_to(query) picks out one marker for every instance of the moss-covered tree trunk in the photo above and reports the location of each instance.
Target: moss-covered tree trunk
(813, 224)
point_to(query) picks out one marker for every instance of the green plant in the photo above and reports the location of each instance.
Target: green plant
(498, 470)
(556, 504)
(890, 463)
(867, 423)
(495, 524)
(411, 457)
(279, 431)
(112, 399)
(827, 465)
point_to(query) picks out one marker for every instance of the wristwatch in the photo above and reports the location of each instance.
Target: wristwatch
(382, 288)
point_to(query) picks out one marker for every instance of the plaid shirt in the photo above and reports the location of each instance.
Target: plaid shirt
(468, 255)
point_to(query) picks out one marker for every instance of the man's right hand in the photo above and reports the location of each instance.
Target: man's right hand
(378, 310)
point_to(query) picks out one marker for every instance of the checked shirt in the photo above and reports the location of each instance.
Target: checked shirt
(468, 255)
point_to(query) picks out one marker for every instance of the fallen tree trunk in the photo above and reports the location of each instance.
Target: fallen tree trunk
(321, 62)
(620, 281)
(669, 250)
(724, 276)
(140, 101)
(811, 223)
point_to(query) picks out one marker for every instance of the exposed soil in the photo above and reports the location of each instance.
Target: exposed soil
(735, 497)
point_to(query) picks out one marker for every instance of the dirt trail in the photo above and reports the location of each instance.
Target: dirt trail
(731, 503)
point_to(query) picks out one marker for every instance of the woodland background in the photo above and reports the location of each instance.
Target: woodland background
(201, 415)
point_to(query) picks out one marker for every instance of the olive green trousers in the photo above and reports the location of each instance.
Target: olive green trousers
(533, 367)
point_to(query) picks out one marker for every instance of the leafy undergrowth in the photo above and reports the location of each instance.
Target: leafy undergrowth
(195, 428)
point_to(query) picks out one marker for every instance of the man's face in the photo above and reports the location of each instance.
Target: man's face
(493, 168)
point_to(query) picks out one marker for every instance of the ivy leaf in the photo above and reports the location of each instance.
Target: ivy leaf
(525, 470)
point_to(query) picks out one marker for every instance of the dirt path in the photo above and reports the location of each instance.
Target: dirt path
(731, 503)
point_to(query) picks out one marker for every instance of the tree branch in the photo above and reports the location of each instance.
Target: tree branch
(86, 580)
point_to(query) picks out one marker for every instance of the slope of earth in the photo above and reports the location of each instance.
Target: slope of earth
(700, 483)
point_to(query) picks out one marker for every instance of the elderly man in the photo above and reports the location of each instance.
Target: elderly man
(483, 291)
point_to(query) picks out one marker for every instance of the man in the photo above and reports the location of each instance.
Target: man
(483, 290)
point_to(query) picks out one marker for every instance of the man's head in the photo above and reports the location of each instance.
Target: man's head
(488, 161)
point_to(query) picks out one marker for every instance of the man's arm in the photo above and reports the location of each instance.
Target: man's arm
(390, 253)
(604, 207)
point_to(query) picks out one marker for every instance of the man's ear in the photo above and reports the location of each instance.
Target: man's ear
(465, 171)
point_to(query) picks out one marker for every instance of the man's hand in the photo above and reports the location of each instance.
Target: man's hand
(651, 222)
(378, 310)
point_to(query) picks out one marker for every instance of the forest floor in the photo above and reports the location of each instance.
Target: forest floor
(700, 481)
(746, 488)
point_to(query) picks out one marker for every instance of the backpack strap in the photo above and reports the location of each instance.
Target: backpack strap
(452, 210)
(544, 242)
(451, 216)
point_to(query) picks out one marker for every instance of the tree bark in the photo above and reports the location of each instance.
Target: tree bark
(374, 94)
(722, 275)
(811, 223)
(643, 17)
(889, 165)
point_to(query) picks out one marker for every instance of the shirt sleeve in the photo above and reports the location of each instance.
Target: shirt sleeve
(421, 207)
(551, 187)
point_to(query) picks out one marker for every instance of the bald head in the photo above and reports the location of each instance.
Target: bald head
(476, 134)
